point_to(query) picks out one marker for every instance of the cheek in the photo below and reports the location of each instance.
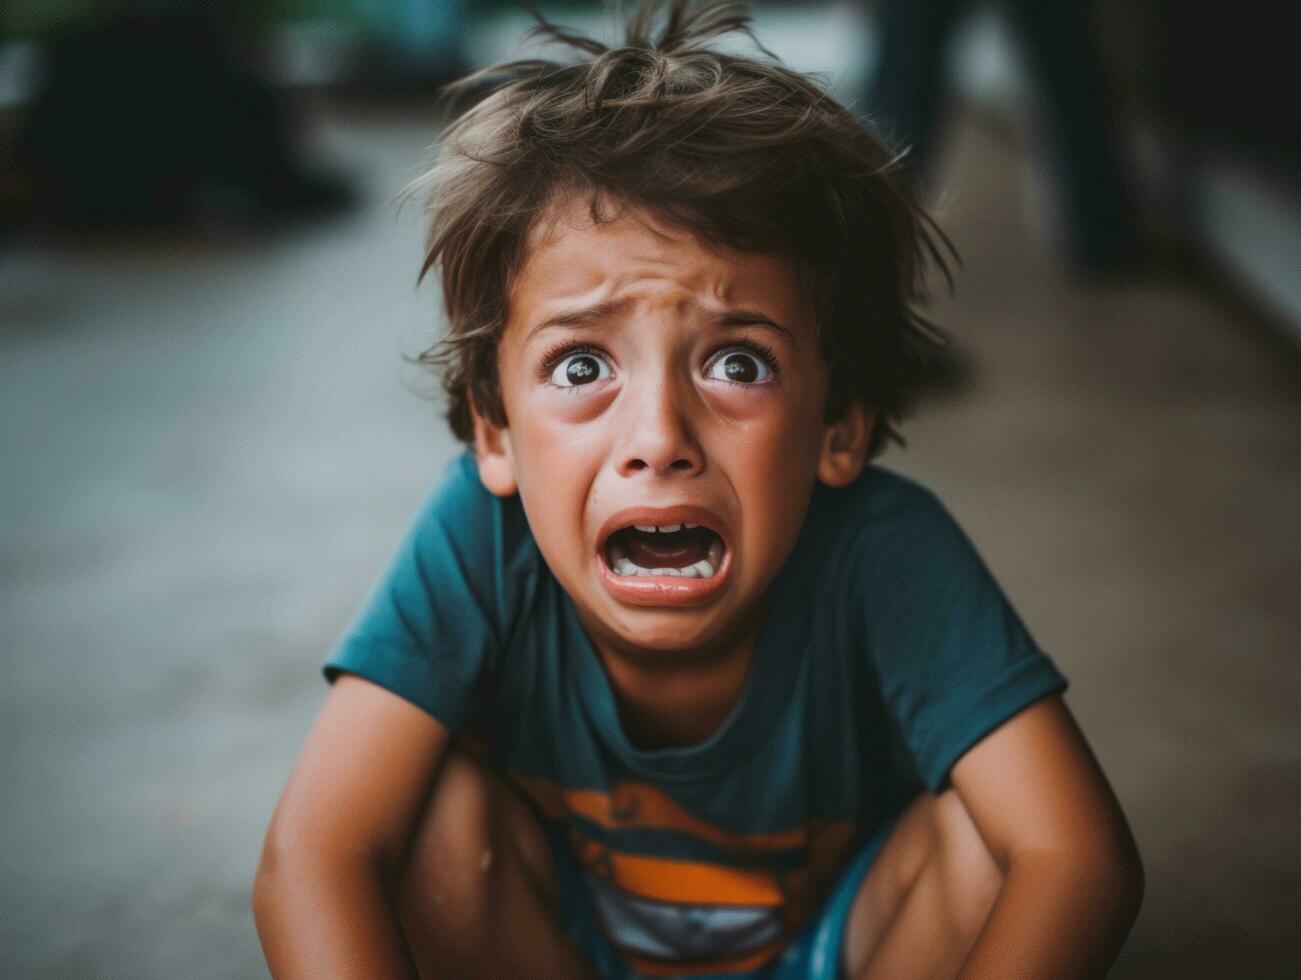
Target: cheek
(555, 408)
(773, 458)
(793, 400)
(554, 494)
(557, 453)
(558, 438)
(779, 469)
(569, 406)
(545, 420)
(775, 430)
(554, 445)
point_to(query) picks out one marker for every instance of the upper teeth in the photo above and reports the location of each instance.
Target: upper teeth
(662, 528)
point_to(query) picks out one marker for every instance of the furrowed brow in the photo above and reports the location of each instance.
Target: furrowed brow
(583, 316)
(580, 317)
(752, 318)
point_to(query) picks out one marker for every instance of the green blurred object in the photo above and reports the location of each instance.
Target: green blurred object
(379, 19)
(42, 20)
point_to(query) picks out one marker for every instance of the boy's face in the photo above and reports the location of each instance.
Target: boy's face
(649, 379)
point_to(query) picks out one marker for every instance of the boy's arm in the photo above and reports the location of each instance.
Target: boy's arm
(1073, 880)
(321, 897)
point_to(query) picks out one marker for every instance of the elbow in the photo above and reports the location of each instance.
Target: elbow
(1132, 879)
(266, 880)
(1127, 863)
(1105, 870)
(1115, 867)
(300, 863)
(286, 868)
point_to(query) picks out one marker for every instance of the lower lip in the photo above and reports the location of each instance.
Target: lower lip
(663, 590)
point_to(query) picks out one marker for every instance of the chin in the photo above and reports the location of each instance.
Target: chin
(666, 632)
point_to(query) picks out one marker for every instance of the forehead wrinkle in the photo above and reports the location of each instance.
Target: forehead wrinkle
(722, 318)
(727, 315)
(588, 285)
(579, 316)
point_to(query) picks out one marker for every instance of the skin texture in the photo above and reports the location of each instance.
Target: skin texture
(658, 308)
(322, 896)
(390, 855)
(1025, 868)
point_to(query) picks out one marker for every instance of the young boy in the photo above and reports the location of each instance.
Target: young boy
(666, 679)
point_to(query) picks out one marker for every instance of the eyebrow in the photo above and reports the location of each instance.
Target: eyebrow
(579, 317)
(731, 317)
(747, 318)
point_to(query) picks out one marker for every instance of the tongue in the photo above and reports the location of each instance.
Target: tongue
(665, 550)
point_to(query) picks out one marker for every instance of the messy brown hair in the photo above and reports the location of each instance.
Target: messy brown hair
(743, 152)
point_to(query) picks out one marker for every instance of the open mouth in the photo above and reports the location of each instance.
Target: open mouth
(665, 556)
(674, 550)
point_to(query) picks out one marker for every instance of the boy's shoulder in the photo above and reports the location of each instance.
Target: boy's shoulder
(462, 513)
(879, 494)
(880, 519)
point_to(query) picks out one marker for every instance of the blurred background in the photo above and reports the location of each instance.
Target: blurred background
(210, 439)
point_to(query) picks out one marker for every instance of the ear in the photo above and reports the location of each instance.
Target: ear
(844, 446)
(492, 452)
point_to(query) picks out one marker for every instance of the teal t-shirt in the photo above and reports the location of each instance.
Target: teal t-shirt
(887, 652)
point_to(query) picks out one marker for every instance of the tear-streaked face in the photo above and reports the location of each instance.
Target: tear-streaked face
(665, 407)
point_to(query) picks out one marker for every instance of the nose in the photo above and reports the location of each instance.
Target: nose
(658, 435)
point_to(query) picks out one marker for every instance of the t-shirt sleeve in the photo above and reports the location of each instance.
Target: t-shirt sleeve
(952, 658)
(431, 625)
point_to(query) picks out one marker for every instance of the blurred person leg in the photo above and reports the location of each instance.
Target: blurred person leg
(904, 102)
(1061, 41)
(907, 88)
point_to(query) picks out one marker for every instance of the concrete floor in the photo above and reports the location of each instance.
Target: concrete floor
(208, 453)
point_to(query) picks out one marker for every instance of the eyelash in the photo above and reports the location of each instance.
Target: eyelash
(568, 348)
(759, 350)
(562, 350)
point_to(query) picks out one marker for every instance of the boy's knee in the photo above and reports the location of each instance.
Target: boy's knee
(450, 862)
(932, 888)
(474, 838)
(479, 866)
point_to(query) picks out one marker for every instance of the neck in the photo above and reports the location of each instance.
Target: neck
(669, 699)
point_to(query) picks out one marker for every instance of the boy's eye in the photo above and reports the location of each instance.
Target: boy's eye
(580, 368)
(739, 365)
